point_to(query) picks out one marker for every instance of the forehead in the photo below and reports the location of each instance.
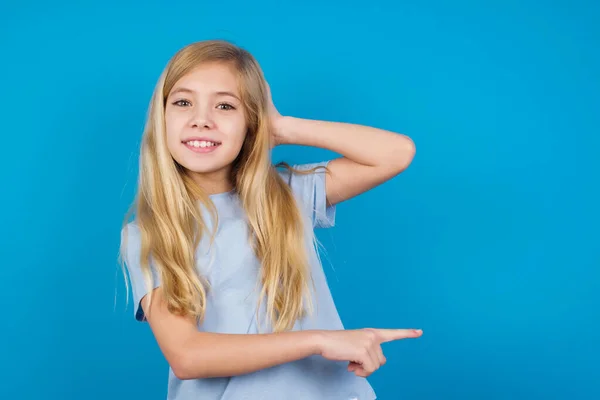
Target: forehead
(209, 78)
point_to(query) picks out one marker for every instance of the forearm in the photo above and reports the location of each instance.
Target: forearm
(362, 144)
(220, 355)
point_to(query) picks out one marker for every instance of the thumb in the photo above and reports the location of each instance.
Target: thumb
(387, 335)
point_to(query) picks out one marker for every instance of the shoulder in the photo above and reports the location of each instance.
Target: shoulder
(130, 236)
(142, 279)
(307, 182)
(289, 171)
(131, 243)
(303, 177)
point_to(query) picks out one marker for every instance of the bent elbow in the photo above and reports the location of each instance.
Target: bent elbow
(185, 367)
(182, 368)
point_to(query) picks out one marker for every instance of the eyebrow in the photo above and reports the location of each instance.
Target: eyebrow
(186, 90)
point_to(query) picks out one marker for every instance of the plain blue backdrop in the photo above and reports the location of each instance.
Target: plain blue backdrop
(489, 242)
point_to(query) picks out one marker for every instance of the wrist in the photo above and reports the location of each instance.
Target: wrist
(282, 130)
(315, 340)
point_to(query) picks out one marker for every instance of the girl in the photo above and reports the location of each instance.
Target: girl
(221, 254)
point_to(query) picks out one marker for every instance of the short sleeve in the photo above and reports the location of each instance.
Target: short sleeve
(131, 249)
(310, 190)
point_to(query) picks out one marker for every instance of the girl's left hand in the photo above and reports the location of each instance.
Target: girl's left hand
(274, 119)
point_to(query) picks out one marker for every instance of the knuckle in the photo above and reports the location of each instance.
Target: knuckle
(368, 341)
(370, 334)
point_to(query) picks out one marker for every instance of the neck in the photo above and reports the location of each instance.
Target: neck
(213, 182)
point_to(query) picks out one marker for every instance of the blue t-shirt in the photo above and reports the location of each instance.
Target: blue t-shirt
(232, 270)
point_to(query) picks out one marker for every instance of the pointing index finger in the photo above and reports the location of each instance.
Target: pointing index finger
(388, 335)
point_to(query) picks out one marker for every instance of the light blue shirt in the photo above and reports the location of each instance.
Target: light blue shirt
(232, 270)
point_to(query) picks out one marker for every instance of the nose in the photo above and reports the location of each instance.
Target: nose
(202, 119)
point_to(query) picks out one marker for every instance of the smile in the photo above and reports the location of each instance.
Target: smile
(201, 146)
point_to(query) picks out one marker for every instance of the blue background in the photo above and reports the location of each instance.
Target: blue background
(489, 242)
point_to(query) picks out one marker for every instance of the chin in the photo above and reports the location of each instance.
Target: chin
(203, 166)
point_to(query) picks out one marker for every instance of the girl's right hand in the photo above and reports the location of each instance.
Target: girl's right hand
(361, 347)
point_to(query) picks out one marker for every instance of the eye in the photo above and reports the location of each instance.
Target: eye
(181, 103)
(225, 106)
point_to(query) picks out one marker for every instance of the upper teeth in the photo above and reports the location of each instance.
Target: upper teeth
(201, 143)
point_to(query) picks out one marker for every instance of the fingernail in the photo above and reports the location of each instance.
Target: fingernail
(417, 330)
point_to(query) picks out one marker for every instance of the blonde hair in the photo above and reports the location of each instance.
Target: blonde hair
(166, 204)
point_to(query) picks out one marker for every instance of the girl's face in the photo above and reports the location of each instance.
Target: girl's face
(206, 124)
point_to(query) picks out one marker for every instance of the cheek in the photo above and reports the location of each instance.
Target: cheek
(234, 129)
(173, 126)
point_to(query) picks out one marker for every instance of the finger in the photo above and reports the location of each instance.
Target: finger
(380, 356)
(366, 361)
(374, 364)
(361, 372)
(364, 370)
(387, 335)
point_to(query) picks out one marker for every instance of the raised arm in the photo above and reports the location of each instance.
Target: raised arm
(371, 156)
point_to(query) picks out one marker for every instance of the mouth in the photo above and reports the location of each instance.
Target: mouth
(201, 145)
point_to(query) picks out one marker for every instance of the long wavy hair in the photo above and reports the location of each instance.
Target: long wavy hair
(166, 204)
